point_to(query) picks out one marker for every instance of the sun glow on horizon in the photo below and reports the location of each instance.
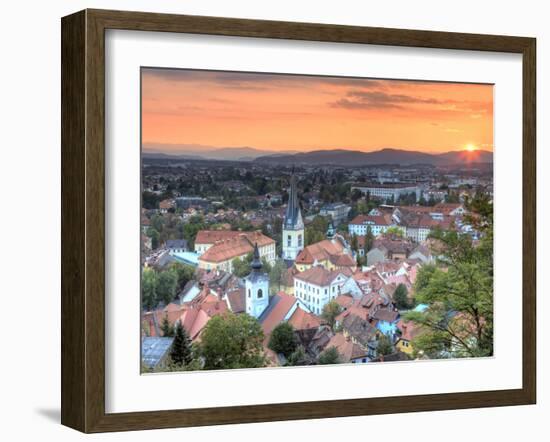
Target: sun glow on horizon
(471, 147)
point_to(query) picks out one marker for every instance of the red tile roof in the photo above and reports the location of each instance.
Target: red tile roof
(346, 348)
(280, 306)
(302, 320)
(317, 275)
(236, 246)
(379, 220)
(320, 251)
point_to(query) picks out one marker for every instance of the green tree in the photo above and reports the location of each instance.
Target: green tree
(395, 231)
(329, 356)
(155, 237)
(184, 273)
(157, 223)
(298, 357)
(369, 240)
(276, 275)
(181, 353)
(354, 244)
(166, 327)
(241, 267)
(283, 340)
(232, 341)
(166, 286)
(385, 346)
(459, 291)
(330, 311)
(316, 230)
(400, 297)
(148, 289)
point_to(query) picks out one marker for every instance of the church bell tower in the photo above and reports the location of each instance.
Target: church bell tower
(293, 225)
(256, 287)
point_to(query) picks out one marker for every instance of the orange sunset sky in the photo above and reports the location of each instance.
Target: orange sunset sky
(289, 112)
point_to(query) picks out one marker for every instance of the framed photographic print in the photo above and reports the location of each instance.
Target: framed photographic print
(267, 221)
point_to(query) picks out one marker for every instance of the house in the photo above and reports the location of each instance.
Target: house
(389, 248)
(386, 320)
(338, 212)
(281, 308)
(193, 315)
(333, 253)
(220, 255)
(407, 331)
(388, 191)
(155, 352)
(422, 253)
(287, 280)
(348, 350)
(207, 238)
(317, 286)
(377, 224)
(359, 330)
(452, 209)
(166, 205)
(176, 246)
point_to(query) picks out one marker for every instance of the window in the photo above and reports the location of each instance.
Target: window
(300, 240)
(260, 293)
(288, 240)
(249, 293)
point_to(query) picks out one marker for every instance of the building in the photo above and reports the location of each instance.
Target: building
(176, 246)
(333, 253)
(378, 224)
(389, 248)
(256, 287)
(187, 202)
(317, 286)
(388, 191)
(207, 238)
(348, 351)
(166, 205)
(293, 225)
(338, 212)
(155, 351)
(220, 255)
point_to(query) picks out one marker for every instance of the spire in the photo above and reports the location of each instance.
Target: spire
(293, 216)
(256, 262)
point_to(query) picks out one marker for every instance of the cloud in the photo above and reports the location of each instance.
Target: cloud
(262, 81)
(381, 100)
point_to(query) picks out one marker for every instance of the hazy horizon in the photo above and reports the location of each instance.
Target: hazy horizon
(190, 109)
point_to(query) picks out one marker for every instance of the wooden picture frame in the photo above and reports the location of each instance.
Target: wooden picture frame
(83, 220)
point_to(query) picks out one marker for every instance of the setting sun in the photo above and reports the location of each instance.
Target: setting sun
(471, 147)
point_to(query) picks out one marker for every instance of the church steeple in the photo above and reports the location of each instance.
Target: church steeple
(293, 215)
(256, 287)
(256, 264)
(293, 224)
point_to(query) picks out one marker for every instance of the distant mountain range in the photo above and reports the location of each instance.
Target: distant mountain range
(340, 157)
(344, 157)
(199, 151)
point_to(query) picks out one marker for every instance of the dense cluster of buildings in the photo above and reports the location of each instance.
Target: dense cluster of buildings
(316, 275)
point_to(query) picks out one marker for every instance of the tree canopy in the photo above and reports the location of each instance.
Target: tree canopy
(181, 353)
(232, 341)
(400, 297)
(330, 311)
(459, 292)
(283, 340)
(329, 356)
